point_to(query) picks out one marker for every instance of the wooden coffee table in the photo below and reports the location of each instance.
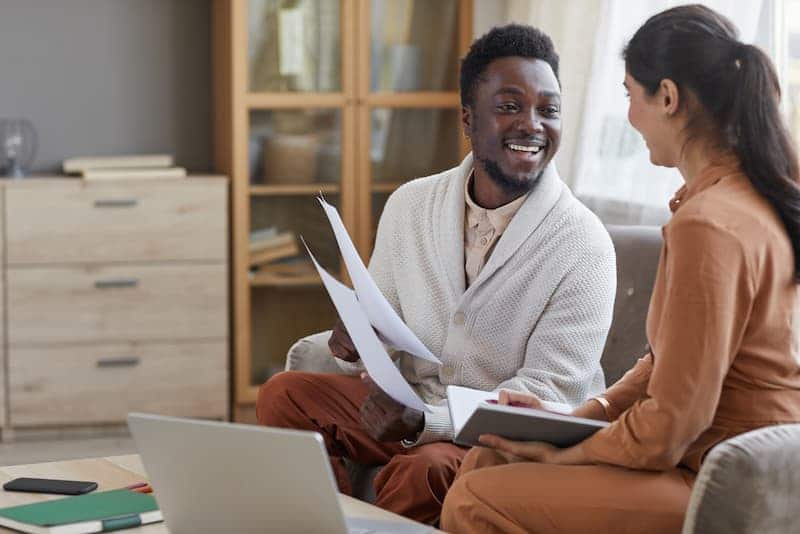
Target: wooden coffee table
(115, 472)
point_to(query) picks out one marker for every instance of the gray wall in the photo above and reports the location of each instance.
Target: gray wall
(105, 77)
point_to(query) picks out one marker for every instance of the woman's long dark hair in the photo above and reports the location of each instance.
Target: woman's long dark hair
(738, 89)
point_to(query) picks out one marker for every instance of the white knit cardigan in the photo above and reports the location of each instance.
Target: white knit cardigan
(534, 320)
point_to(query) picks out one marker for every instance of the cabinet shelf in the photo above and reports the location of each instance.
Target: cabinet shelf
(291, 189)
(386, 187)
(265, 279)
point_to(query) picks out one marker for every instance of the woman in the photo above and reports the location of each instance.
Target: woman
(722, 321)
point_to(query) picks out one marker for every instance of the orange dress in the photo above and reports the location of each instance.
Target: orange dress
(723, 332)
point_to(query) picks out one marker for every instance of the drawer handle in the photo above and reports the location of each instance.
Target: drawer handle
(120, 203)
(130, 361)
(116, 283)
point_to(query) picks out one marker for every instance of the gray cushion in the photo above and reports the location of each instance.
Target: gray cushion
(749, 484)
(638, 249)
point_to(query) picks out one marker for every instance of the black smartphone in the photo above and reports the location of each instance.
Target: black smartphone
(47, 485)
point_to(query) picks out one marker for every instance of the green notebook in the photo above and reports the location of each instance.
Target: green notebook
(94, 512)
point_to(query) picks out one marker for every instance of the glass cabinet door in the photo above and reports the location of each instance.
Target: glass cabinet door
(413, 45)
(295, 130)
(294, 46)
(287, 299)
(413, 115)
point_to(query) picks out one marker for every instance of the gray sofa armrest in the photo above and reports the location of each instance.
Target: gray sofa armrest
(748, 484)
(311, 354)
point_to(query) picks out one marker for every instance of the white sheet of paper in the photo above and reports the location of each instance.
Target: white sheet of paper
(379, 365)
(380, 313)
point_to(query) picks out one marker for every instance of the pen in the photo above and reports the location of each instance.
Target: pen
(141, 487)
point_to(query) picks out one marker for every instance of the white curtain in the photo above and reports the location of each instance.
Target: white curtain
(572, 25)
(612, 161)
(602, 157)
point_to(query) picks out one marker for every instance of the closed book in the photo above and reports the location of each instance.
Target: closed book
(473, 414)
(78, 165)
(132, 173)
(94, 512)
(267, 255)
(271, 241)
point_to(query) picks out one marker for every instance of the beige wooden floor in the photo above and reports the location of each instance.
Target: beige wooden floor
(48, 446)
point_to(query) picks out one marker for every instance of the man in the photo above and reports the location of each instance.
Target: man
(495, 266)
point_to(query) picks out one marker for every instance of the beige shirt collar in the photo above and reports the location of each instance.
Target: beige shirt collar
(499, 218)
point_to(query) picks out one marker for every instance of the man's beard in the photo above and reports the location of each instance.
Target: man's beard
(506, 182)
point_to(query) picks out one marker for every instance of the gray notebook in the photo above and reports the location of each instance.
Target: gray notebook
(525, 424)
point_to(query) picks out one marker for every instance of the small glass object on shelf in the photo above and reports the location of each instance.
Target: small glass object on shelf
(18, 145)
(295, 146)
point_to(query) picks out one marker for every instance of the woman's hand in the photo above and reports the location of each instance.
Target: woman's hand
(516, 398)
(521, 451)
(530, 451)
(535, 451)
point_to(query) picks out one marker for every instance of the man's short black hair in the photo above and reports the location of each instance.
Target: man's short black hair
(503, 41)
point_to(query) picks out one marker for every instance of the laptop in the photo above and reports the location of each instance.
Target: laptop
(223, 477)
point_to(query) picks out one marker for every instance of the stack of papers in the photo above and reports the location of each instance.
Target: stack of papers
(472, 415)
(365, 308)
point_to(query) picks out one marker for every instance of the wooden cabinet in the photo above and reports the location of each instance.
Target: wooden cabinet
(346, 98)
(79, 304)
(69, 221)
(116, 300)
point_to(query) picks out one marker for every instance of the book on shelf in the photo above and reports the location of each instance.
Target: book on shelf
(133, 173)
(473, 412)
(269, 238)
(268, 245)
(94, 512)
(289, 267)
(265, 256)
(141, 161)
(292, 271)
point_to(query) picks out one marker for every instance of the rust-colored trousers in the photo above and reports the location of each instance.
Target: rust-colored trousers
(492, 495)
(414, 481)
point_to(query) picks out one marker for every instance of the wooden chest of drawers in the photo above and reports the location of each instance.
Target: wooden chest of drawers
(116, 300)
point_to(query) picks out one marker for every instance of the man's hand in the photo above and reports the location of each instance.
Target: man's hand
(385, 419)
(341, 345)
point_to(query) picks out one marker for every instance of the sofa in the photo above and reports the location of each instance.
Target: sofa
(749, 484)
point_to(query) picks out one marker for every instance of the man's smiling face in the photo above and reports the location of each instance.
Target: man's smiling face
(514, 121)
